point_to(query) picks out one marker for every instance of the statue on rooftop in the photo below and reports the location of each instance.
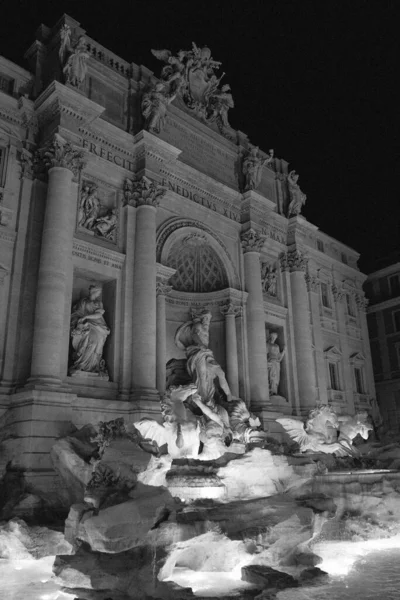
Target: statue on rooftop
(154, 106)
(190, 76)
(297, 198)
(89, 332)
(73, 57)
(252, 167)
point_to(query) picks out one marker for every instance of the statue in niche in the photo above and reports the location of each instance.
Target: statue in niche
(89, 332)
(193, 338)
(274, 356)
(269, 280)
(297, 198)
(252, 167)
(73, 58)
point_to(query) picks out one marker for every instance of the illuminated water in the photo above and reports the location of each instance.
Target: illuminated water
(373, 577)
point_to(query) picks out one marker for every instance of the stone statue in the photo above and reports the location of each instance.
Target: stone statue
(297, 198)
(274, 356)
(246, 427)
(351, 426)
(269, 280)
(190, 75)
(319, 433)
(193, 338)
(154, 106)
(73, 57)
(106, 226)
(89, 332)
(89, 206)
(252, 167)
(183, 429)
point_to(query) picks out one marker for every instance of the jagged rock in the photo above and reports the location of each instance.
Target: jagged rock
(256, 474)
(131, 574)
(211, 551)
(124, 526)
(307, 559)
(266, 577)
(19, 541)
(71, 459)
(313, 575)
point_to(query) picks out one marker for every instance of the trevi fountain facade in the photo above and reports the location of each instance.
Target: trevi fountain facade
(185, 370)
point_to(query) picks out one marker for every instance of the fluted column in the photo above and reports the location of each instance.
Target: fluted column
(252, 243)
(63, 163)
(144, 318)
(313, 288)
(296, 263)
(230, 311)
(163, 289)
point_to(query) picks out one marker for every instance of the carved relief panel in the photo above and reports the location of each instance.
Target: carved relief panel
(97, 213)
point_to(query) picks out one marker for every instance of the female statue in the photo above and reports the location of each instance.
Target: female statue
(89, 332)
(274, 356)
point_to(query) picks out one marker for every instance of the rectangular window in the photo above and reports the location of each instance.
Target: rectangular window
(396, 320)
(325, 296)
(6, 84)
(320, 245)
(351, 307)
(359, 380)
(333, 376)
(344, 258)
(394, 285)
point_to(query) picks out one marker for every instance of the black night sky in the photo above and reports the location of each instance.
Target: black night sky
(317, 80)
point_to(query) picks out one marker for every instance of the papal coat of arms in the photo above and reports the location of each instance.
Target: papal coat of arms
(191, 76)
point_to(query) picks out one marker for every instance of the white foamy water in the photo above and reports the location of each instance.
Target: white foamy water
(30, 580)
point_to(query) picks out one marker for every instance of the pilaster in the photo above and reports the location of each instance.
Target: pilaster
(230, 312)
(162, 290)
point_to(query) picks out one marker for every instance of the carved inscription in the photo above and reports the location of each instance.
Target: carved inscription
(97, 256)
(199, 199)
(98, 150)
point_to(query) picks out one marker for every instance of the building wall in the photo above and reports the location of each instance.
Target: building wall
(383, 288)
(317, 308)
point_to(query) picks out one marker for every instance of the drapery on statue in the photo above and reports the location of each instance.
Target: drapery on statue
(75, 66)
(252, 167)
(193, 338)
(95, 217)
(269, 279)
(274, 356)
(297, 198)
(154, 106)
(89, 332)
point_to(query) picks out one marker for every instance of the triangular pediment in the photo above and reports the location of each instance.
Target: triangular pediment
(333, 352)
(357, 357)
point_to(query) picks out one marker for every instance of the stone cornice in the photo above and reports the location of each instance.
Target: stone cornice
(275, 310)
(58, 101)
(218, 299)
(392, 303)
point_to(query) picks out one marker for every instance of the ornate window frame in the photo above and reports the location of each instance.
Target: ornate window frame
(357, 361)
(333, 356)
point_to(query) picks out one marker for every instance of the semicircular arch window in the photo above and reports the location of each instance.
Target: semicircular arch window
(198, 266)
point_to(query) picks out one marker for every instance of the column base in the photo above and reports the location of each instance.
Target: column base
(47, 384)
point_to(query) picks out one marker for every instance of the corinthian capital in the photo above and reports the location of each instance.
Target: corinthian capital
(252, 241)
(141, 191)
(61, 153)
(312, 283)
(231, 309)
(294, 260)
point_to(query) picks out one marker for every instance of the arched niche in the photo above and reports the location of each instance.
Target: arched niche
(199, 243)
